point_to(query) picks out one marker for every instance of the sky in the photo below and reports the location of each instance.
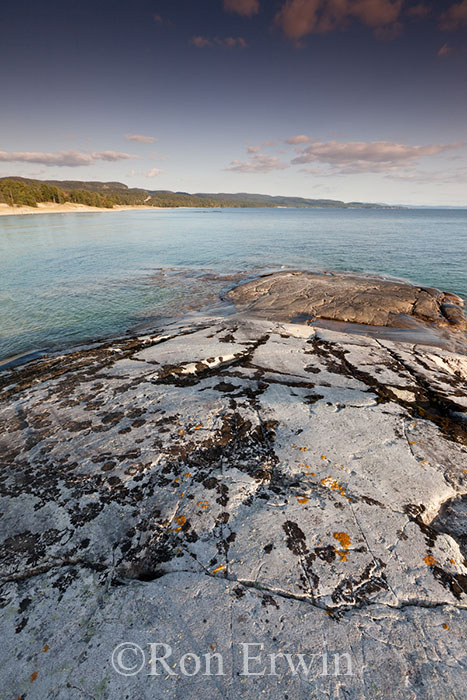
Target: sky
(358, 100)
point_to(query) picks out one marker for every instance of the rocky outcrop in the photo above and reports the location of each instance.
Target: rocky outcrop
(342, 297)
(237, 481)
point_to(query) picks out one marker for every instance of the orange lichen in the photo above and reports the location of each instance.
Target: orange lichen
(219, 568)
(198, 427)
(33, 676)
(187, 475)
(181, 432)
(180, 520)
(323, 457)
(345, 542)
(445, 626)
(332, 484)
(203, 504)
(46, 648)
(343, 538)
(303, 500)
(429, 560)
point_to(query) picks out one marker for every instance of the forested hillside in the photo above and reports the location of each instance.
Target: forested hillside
(25, 192)
(18, 191)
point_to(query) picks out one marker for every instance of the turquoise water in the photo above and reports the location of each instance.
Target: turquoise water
(74, 277)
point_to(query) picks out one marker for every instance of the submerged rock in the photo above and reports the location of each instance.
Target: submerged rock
(227, 482)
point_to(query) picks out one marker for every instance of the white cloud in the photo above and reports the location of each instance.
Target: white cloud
(232, 42)
(71, 158)
(455, 17)
(201, 42)
(376, 156)
(154, 172)
(247, 8)
(140, 138)
(259, 163)
(298, 18)
(444, 50)
(254, 149)
(295, 140)
(229, 42)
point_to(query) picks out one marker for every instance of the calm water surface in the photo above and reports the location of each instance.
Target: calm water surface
(74, 277)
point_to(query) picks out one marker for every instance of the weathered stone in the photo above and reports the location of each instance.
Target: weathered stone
(232, 481)
(286, 296)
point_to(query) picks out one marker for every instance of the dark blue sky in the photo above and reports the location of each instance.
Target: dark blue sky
(352, 99)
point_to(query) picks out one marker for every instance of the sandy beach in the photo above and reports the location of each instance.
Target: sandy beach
(67, 208)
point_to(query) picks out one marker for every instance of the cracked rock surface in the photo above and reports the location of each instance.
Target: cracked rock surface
(232, 481)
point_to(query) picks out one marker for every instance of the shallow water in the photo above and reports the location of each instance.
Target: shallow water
(73, 277)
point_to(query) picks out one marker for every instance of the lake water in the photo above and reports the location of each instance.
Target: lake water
(74, 277)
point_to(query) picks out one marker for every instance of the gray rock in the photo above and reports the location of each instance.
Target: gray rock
(349, 298)
(228, 482)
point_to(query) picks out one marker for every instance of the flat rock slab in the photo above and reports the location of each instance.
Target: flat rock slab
(225, 482)
(286, 296)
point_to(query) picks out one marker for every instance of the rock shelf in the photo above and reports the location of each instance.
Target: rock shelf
(237, 480)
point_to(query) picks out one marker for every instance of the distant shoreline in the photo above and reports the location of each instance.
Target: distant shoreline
(67, 208)
(73, 208)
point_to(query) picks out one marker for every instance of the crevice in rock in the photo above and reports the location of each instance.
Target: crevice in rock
(431, 405)
(128, 575)
(177, 375)
(48, 566)
(337, 610)
(451, 520)
(90, 360)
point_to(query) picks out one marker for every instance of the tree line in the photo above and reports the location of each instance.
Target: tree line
(21, 192)
(17, 193)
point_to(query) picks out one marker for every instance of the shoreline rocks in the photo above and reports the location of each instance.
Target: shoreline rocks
(229, 481)
(285, 296)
